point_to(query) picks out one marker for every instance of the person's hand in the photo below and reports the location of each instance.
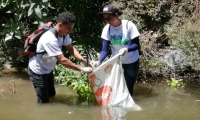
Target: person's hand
(123, 51)
(86, 70)
(95, 63)
(86, 63)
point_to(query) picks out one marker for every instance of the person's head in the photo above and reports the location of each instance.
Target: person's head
(111, 15)
(65, 22)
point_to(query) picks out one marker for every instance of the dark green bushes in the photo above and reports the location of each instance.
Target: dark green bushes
(21, 17)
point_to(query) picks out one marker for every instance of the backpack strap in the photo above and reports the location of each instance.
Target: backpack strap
(64, 38)
(53, 30)
(108, 30)
(127, 27)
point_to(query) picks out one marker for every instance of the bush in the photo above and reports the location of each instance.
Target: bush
(77, 81)
(187, 39)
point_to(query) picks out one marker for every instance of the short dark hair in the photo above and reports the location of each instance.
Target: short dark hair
(66, 17)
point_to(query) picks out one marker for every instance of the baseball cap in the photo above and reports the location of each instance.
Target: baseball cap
(111, 9)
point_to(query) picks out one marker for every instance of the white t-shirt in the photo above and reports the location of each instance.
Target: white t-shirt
(44, 63)
(120, 37)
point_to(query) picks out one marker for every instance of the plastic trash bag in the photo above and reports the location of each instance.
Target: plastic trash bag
(109, 85)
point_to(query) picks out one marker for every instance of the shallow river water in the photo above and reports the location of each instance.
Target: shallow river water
(158, 102)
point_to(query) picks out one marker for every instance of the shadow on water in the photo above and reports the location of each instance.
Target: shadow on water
(158, 102)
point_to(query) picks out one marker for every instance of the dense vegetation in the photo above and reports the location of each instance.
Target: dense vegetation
(165, 26)
(21, 17)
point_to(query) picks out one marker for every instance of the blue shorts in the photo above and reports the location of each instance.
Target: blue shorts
(43, 84)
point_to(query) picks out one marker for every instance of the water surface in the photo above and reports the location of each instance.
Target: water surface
(158, 102)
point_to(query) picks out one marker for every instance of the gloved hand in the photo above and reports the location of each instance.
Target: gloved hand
(95, 63)
(86, 63)
(123, 51)
(86, 70)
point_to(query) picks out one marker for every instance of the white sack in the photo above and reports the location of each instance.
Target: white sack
(109, 85)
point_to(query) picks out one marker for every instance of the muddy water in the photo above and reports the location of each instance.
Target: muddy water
(158, 102)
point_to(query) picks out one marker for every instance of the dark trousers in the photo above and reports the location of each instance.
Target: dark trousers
(130, 73)
(43, 84)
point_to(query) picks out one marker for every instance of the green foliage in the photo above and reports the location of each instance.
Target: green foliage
(176, 84)
(187, 39)
(151, 67)
(145, 14)
(21, 17)
(2, 54)
(20, 13)
(77, 81)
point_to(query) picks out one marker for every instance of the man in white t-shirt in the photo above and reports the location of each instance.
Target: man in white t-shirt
(40, 68)
(123, 37)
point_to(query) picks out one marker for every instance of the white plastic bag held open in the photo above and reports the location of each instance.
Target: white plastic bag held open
(109, 85)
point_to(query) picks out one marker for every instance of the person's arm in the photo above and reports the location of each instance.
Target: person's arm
(105, 50)
(67, 63)
(73, 51)
(133, 44)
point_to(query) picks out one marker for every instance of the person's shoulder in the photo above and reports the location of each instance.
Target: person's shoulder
(130, 23)
(107, 26)
(48, 36)
(67, 37)
(124, 21)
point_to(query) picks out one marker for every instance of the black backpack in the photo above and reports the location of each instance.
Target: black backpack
(31, 41)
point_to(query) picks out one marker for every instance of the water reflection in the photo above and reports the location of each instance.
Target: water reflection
(114, 113)
(157, 103)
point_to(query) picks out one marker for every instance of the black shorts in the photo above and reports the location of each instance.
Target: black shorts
(43, 84)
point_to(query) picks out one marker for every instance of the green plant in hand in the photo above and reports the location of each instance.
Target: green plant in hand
(78, 81)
